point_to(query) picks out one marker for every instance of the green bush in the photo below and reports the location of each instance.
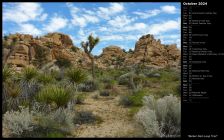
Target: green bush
(125, 101)
(79, 99)
(75, 77)
(134, 100)
(54, 94)
(6, 73)
(28, 74)
(63, 63)
(45, 78)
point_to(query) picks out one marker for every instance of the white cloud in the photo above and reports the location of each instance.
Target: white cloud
(29, 29)
(118, 37)
(72, 8)
(23, 12)
(103, 29)
(112, 37)
(164, 26)
(79, 18)
(91, 19)
(135, 27)
(79, 21)
(114, 8)
(56, 23)
(169, 9)
(83, 20)
(120, 21)
(148, 14)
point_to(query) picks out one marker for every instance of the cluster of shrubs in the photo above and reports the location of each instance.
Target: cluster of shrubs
(160, 117)
(37, 104)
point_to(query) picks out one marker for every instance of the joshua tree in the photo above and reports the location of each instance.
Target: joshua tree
(88, 47)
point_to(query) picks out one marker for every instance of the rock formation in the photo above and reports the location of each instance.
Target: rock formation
(112, 56)
(20, 50)
(151, 52)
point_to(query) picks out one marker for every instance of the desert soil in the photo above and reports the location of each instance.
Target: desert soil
(115, 119)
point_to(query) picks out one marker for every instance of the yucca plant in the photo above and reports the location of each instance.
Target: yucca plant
(7, 74)
(13, 94)
(44, 78)
(75, 77)
(28, 74)
(27, 80)
(54, 94)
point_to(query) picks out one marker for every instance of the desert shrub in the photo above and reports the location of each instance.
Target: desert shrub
(104, 93)
(54, 94)
(28, 82)
(64, 117)
(75, 77)
(28, 74)
(18, 121)
(79, 99)
(45, 78)
(110, 84)
(13, 93)
(161, 117)
(6, 73)
(133, 100)
(56, 75)
(88, 86)
(63, 62)
(123, 80)
(84, 117)
(55, 121)
(125, 101)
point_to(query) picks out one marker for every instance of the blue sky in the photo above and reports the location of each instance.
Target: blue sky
(118, 24)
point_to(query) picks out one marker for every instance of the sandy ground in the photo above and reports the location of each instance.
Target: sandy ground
(116, 122)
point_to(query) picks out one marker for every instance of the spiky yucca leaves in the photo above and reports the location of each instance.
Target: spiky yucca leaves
(54, 94)
(75, 77)
(27, 80)
(14, 91)
(6, 73)
(44, 78)
(28, 74)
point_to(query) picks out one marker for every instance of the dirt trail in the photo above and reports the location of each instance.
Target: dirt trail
(116, 122)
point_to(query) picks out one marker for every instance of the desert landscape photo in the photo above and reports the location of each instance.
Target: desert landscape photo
(77, 70)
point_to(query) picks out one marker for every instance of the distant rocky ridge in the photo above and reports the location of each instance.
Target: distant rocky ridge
(19, 51)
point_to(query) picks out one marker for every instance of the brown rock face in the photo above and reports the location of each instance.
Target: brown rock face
(152, 53)
(112, 56)
(20, 50)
